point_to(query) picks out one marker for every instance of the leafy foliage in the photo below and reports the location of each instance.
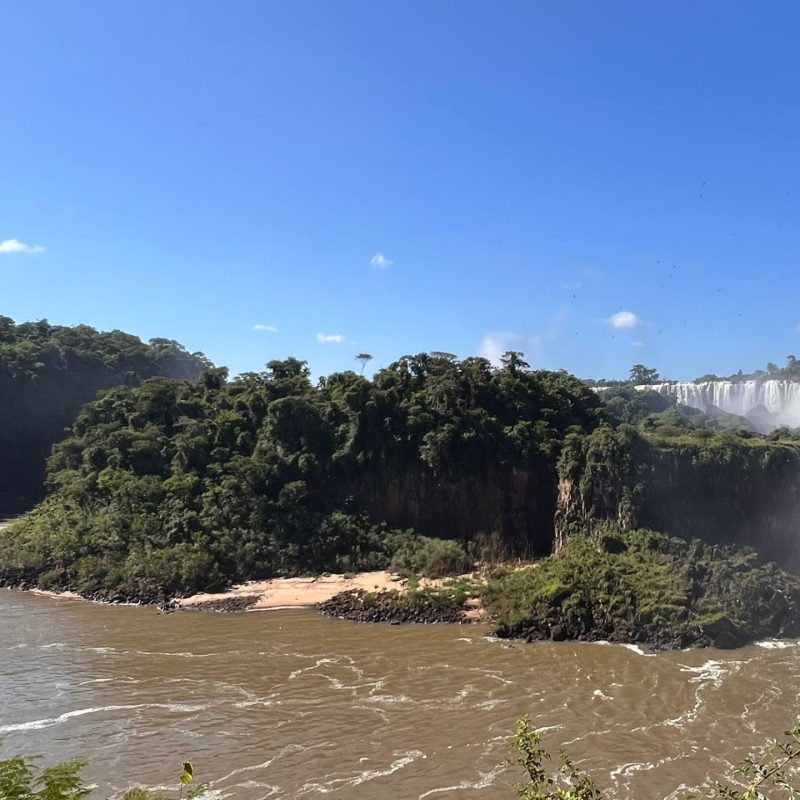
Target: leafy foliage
(776, 770)
(648, 587)
(539, 783)
(47, 372)
(720, 486)
(173, 486)
(772, 771)
(21, 779)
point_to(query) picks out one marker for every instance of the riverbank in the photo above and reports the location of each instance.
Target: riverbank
(389, 596)
(635, 587)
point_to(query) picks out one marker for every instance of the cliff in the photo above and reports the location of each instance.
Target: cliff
(721, 489)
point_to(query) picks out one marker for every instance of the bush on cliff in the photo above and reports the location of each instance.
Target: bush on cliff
(648, 587)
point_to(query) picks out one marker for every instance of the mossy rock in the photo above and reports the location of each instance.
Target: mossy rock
(722, 630)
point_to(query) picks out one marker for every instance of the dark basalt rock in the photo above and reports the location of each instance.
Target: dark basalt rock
(389, 607)
(227, 605)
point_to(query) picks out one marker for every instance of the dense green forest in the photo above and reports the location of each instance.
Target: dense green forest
(47, 372)
(175, 485)
(178, 485)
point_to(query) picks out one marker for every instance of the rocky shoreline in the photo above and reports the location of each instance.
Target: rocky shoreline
(724, 636)
(392, 607)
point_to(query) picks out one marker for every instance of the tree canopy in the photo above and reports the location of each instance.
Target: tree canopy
(176, 485)
(47, 372)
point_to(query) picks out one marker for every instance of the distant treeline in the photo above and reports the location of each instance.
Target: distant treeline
(640, 374)
(47, 372)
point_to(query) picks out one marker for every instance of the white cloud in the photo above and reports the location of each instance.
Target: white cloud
(494, 344)
(637, 344)
(571, 287)
(268, 328)
(16, 246)
(624, 319)
(379, 261)
(330, 338)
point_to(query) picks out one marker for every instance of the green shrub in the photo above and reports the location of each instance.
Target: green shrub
(648, 585)
(429, 557)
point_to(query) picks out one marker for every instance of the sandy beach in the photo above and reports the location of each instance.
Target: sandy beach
(294, 593)
(299, 592)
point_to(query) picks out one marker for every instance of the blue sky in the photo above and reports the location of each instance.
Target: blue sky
(523, 172)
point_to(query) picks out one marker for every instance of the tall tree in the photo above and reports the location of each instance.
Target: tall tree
(640, 374)
(364, 358)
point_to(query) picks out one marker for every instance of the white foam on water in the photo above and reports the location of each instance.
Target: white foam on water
(388, 699)
(271, 788)
(320, 661)
(494, 674)
(623, 774)
(599, 693)
(49, 722)
(711, 670)
(778, 644)
(402, 760)
(634, 648)
(485, 781)
(284, 751)
(489, 705)
(710, 674)
(98, 680)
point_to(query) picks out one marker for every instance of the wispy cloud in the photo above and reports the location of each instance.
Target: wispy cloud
(623, 319)
(266, 328)
(330, 338)
(379, 261)
(592, 274)
(571, 287)
(637, 344)
(16, 246)
(495, 343)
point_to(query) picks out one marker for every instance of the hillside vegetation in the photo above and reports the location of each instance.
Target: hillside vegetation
(47, 372)
(642, 586)
(173, 486)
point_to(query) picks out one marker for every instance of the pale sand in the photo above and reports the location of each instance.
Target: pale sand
(57, 595)
(303, 592)
(300, 592)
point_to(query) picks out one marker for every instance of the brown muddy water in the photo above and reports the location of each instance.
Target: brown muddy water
(287, 704)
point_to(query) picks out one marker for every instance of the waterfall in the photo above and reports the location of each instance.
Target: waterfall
(768, 404)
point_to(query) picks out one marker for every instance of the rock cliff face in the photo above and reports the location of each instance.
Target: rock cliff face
(509, 510)
(724, 490)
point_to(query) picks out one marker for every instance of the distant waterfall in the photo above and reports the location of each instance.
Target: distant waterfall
(768, 404)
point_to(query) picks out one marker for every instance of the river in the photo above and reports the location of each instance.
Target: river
(287, 704)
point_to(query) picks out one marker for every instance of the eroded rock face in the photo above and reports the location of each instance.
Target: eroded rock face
(515, 505)
(725, 490)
